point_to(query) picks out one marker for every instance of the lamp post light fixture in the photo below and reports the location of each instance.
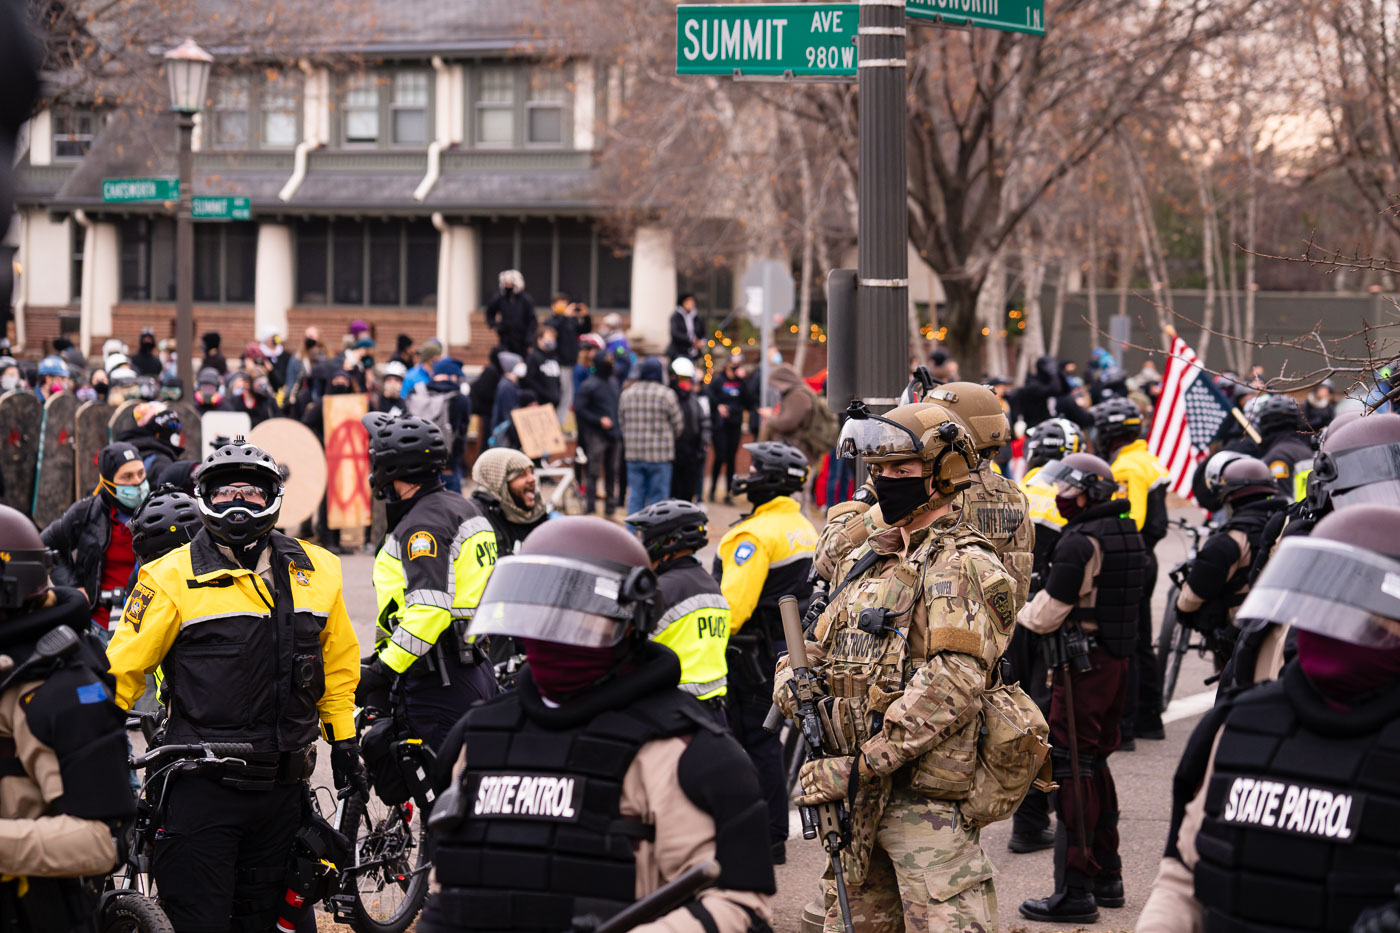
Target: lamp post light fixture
(187, 66)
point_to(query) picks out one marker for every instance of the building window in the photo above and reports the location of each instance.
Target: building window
(147, 259)
(409, 108)
(230, 112)
(279, 106)
(544, 110)
(361, 109)
(225, 262)
(383, 263)
(78, 245)
(495, 107)
(563, 256)
(72, 133)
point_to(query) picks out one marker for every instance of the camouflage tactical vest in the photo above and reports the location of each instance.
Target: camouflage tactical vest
(997, 507)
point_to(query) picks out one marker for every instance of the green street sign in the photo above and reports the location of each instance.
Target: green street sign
(1026, 16)
(221, 208)
(782, 40)
(118, 190)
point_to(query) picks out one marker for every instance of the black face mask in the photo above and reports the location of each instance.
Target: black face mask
(309, 344)
(900, 496)
(604, 368)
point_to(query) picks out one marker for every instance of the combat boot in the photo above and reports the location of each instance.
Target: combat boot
(1073, 904)
(1108, 891)
(1033, 841)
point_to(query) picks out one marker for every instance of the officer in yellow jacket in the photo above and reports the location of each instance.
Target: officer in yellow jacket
(428, 576)
(695, 621)
(251, 631)
(763, 558)
(1143, 482)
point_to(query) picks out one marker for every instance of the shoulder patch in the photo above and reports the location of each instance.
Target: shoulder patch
(299, 576)
(92, 693)
(136, 605)
(743, 552)
(421, 544)
(1001, 601)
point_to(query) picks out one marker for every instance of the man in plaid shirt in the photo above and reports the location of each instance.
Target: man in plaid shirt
(651, 421)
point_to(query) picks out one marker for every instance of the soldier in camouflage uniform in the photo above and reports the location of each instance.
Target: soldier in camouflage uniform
(992, 504)
(905, 651)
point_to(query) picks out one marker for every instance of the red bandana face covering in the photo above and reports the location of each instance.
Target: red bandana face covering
(1340, 670)
(560, 671)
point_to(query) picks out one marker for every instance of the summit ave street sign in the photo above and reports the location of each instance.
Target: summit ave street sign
(781, 40)
(1026, 16)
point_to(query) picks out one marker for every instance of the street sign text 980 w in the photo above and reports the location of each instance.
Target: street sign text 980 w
(797, 40)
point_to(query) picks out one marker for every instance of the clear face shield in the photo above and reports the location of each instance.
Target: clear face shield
(1364, 476)
(1330, 588)
(873, 436)
(557, 599)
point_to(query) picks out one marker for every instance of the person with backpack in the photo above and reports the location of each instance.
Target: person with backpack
(441, 402)
(801, 418)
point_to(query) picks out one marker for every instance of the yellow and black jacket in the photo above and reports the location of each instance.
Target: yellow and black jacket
(429, 575)
(765, 557)
(1142, 481)
(695, 626)
(258, 657)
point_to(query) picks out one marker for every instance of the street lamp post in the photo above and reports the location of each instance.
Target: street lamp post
(187, 67)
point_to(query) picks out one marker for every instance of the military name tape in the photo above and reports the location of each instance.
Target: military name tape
(1296, 809)
(529, 796)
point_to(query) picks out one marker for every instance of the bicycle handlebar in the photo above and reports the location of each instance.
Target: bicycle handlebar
(208, 751)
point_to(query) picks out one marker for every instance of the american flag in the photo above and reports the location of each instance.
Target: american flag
(1189, 414)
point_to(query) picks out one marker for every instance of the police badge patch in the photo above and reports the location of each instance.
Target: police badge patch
(421, 544)
(137, 604)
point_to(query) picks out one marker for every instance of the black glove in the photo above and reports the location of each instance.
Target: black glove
(347, 770)
(814, 610)
(1383, 919)
(376, 680)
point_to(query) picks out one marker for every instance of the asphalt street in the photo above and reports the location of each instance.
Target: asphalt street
(1143, 776)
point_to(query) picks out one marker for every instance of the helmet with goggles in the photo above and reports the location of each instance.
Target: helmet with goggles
(578, 581)
(1359, 464)
(239, 489)
(1082, 473)
(923, 431)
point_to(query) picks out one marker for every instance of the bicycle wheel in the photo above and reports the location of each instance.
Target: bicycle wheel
(133, 913)
(389, 879)
(1172, 642)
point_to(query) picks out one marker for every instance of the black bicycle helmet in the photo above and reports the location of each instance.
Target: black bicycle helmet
(1277, 413)
(669, 527)
(1054, 439)
(402, 448)
(167, 519)
(777, 469)
(240, 522)
(1116, 421)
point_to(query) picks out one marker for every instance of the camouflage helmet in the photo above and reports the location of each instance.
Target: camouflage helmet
(980, 411)
(925, 431)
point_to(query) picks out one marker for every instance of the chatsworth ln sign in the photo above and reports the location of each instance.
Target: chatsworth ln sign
(1026, 16)
(781, 40)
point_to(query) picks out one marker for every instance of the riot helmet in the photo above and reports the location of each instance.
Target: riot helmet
(1243, 477)
(1054, 439)
(1359, 464)
(776, 469)
(402, 447)
(1273, 413)
(980, 411)
(239, 489)
(670, 527)
(167, 519)
(25, 561)
(1117, 421)
(1341, 581)
(1081, 473)
(578, 581)
(924, 431)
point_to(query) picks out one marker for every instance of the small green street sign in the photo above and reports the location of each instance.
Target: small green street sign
(782, 40)
(118, 190)
(221, 208)
(1026, 16)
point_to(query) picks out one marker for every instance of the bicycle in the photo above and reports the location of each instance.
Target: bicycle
(565, 498)
(385, 887)
(1175, 639)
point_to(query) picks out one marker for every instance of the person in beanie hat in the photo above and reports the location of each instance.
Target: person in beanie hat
(213, 356)
(508, 494)
(423, 372)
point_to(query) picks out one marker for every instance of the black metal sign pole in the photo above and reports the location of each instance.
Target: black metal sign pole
(882, 293)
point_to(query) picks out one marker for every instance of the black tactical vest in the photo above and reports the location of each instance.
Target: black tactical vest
(1302, 815)
(1119, 585)
(543, 841)
(1252, 519)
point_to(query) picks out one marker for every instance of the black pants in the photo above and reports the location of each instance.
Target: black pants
(687, 475)
(1026, 662)
(222, 859)
(431, 708)
(603, 452)
(727, 437)
(1142, 712)
(749, 699)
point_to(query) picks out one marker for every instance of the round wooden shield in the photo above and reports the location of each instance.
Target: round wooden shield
(297, 451)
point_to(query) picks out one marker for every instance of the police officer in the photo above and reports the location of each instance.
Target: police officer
(1285, 443)
(596, 781)
(428, 576)
(250, 629)
(1281, 802)
(1143, 481)
(1097, 573)
(508, 494)
(695, 624)
(920, 616)
(63, 774)
(1218, 578)
(766, 556)
(847, 526)
(1050, 440)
